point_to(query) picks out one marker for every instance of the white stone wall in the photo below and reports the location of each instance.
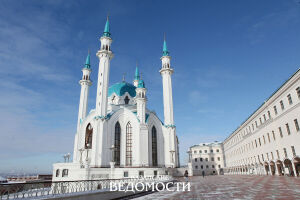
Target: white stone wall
(260, 148)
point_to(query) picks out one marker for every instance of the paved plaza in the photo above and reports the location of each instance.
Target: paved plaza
(235, 187)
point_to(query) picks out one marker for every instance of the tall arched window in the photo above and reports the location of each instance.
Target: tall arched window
(88, 136)
(128, 144)
(126, 100)
(154, 146)
(117, 143)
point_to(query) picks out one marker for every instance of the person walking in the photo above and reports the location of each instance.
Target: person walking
(186, 175)
(203, 174)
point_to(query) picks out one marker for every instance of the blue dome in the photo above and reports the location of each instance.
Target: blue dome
(121, 88)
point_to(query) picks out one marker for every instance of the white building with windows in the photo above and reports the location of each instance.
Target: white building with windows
(207, 157)
(268, 142)
(121, 137)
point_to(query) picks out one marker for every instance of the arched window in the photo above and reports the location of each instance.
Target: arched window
(128, 144)
(117, 143)
(88, 136)
(154, 146)
(57, 173)
(126, 100)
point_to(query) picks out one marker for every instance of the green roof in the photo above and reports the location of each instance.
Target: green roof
(165, 49)
(106, 32)
(137, 74)
(121, 88)
(87, 64)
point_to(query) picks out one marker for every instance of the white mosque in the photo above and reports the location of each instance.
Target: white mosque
(121, 137)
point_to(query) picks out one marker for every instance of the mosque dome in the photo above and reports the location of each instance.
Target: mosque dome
(121, 88)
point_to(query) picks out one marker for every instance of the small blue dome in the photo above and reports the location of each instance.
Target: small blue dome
(121, 88)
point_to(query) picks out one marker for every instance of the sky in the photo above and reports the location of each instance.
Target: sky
(228, 57)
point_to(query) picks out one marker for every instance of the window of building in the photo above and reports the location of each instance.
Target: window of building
(195, 159)
(212, 159)
(265, 117)
(212, 166)
(268, 137)
(88, 136)
(272, 155)
(200, 151)
(155, 173)
(57, 173)
(277, 152)
(298, 92)
(290, 99)
(201, 166)
(207, 166)
(284, 151)
(218, 158)
(218, 150)
(264, 139)
(211, 151)
(273, 133)
(195, 152)
(196, 166)
(281, 105)
(262, 157)
(206, 159)
(205, 151)
(293, 150)
(125, 174)
(65, 173)
(154, 146)
(141, 173)
(259, 142)
(219, 166)
(252, 127)
(128, 144)
(255, 143)
(260, 120)
(268, 156)
(256, 124)
(117, 144)
(269, 114)
(126, 100)
(288, 128)
(201, 159)
(280, 132)
(275, 110)
(296, 125)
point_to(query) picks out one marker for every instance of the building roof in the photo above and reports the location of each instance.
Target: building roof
(121, 88)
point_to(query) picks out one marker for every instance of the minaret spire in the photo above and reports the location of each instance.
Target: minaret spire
(106, 31)
(165, 48)
(85, 83)
(136, 76)
(105, 55)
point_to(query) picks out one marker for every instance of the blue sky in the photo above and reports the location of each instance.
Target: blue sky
(228, 57)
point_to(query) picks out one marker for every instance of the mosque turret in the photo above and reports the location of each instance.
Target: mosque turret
(166, 72)
(85, 83)
(105, 55)
(141, 101)
(136, 77)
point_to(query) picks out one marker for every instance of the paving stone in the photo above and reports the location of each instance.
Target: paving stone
(234, 187)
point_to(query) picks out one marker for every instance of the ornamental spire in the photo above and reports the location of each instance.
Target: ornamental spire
(106, 32)
(137, 74)
(87, 64)
(165, 49)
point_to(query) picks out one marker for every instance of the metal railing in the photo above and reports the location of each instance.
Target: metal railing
(59, 188)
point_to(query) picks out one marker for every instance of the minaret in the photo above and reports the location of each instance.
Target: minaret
(141, 101)
(166, 72)
(136, 77)
(85, 83)
(105, 55)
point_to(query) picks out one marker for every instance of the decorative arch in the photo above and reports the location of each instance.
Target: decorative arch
(154, 146)
(88, 136)
(117, 144)
(128, 144)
